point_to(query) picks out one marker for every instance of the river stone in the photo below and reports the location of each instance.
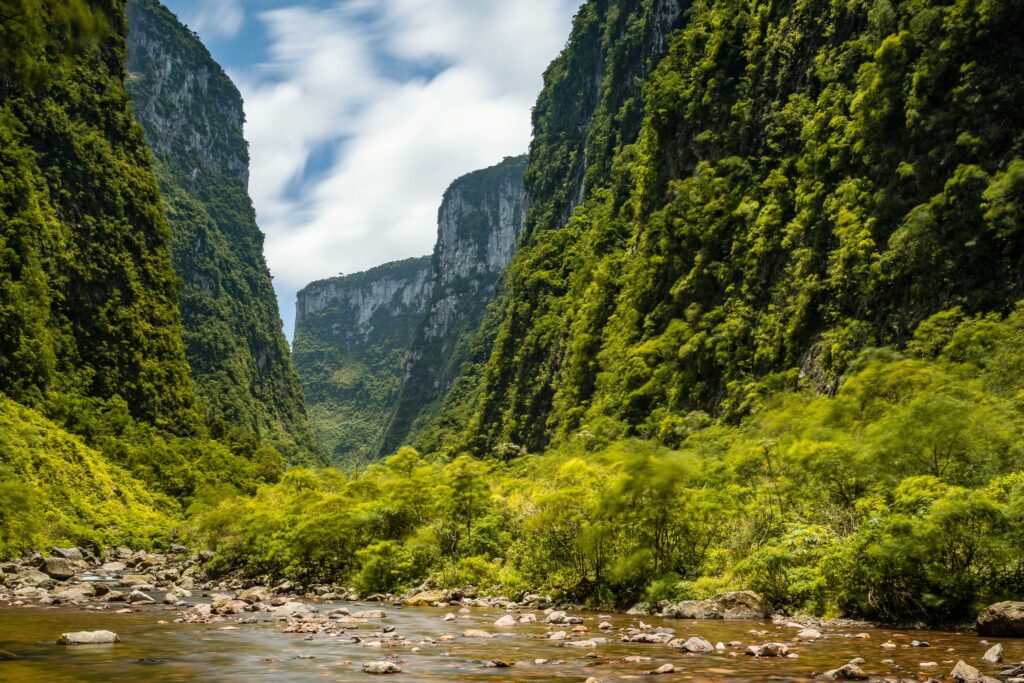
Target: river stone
(582, 644)
(697, 644)
(112, 567)
(994, 654)
(295, 609)
(809, 634)
(32, 577)
(137, 597)
(88, 638)
(371, 614)
(555, 618)
(68, 553)
(1003, 619)
(476, 633)
(965, 673)
(849, 672)
(381, 668)
(58, 568)
(768, 650)
(427, 598)
(506, 620)
(529, 618)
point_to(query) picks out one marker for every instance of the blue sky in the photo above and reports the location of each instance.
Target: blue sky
(361, 112)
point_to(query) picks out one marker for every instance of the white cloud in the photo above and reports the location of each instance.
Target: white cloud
(216, 18)
(410, 94)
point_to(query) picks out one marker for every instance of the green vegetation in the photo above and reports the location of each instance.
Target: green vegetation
(100, 438)
(898, 498)
(192, 114)
(808, 179)
(352, 339)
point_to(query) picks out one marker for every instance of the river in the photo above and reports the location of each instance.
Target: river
(155, 652)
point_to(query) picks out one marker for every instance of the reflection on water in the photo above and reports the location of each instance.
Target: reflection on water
(155, 652)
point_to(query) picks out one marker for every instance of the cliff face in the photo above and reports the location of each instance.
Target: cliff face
(478, 228)
(732, 199)
(352, 340)
(193, 116)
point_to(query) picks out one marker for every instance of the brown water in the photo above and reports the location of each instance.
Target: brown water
(155, 652)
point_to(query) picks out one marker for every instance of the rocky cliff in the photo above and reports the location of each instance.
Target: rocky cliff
(192, 115)
(478, 227)
(352, 339)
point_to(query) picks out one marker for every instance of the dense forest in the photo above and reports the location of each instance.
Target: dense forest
(761, 329)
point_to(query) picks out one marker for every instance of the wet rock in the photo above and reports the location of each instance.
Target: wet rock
(476, 633)
(371, 614)
(555, 618)
(255, 594)
(137, 597)
(733, 605)
(768, 650)
(696, 645)
(290, 610)
(427, 598)
(68, 553)
(809, 634)
(1003, 619)
(448, 617)
(850, 672)
(77, 593)
(528, 618)
(965, 673)
(58, 568)
(112, 567)
(605, 626)
(32, 577)
(639, 608)
(497, 664)
(506, 620)
(380, 668)
(663, 669)
(650, 638)
(582, 644)
(88, 638)
(994, 654)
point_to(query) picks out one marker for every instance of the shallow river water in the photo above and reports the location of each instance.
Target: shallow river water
(154, 652)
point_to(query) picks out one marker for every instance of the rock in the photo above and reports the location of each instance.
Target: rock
(77, 593)
(1003, 619)
(768, 650)
(582, 644)
(850, 672)
(639, 608)
(994, 654)
(137, 597)
(88, 638)
(528, 618)
(476, 633)
(206, 555)
(255, 594)
(965, 673)
(427, 598)
(555, 618)
(734, 605)
(663, 669)
(506, 620)
(295, 609)
(112, 567)
(605, 626)
(591, 679)
(198, 612)
(497, 664)
(33, 577)
(68, 553)
(809, 634)
(381, 668)
(697, 644)
(655, 638)
(58, 568)
(371, 614)
(448, 617)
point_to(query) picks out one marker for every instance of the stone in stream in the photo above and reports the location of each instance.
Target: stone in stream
(137, 597)
(1003, 619)
(476, 633)
(58, 568)
(994, 654)
(381, 668)
(529, 618)
(448, 617)
(68, 553)
(371, 614)
(965, 673)
(663, 669)
(293, 609)
(506, 620)
(695, 644)
(733, 605)
(849, 672)
(809, 634)
(88, 638)
(768, 650)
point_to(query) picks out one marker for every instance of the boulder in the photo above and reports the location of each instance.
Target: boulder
(381, 668)
(994, 655)
(740, 605)
(137, 597)
(1003, 620)
(476, 633)
(68, 553)
(506, 620)
(697, 644)
(639, 608)
(809, 634)
(294, 609)
(58, 568)
(427, 598)
(112, 567)
(965, 673)
(850, 672)
(555, 618)
(768, 650)
(371, 614)
(88, 638)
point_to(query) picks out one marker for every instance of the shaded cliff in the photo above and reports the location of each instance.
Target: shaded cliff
(478, 228)
(352, 339)
(192, 115)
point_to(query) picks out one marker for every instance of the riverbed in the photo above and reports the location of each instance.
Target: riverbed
(154, 648)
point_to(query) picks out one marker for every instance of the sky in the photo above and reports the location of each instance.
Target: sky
(361, 112)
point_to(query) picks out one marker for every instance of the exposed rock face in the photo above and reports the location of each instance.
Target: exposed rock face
(352, 340)
(377, 351)
(192, 115)
(478, 229)
(1003, 619)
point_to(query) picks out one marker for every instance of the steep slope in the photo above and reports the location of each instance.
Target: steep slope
(352, 339)
(478, 226)
(192, 114)
(797, 181)
(87, 294)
